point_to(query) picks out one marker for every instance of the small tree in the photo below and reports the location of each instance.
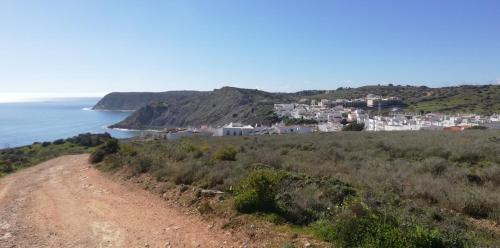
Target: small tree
(354, 126)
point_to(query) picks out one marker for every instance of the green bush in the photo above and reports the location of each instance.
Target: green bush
(110, 147)
(302, 200)
(478, 208)
(372, 230)
(257, 192)
(6, 168)
(141, 165)
(225, 154)
(324, 230)
(354, 127)
(90, 140)
(249, 201)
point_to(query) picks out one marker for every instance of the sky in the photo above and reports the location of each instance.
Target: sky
(92, 47)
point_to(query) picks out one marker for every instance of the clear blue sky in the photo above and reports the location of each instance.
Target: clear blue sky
(98, 46)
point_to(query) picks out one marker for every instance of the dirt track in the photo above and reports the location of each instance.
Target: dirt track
(66, 203)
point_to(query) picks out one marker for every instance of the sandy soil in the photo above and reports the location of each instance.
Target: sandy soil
(65, 202)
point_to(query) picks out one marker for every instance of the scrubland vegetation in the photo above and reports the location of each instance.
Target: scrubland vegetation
(353, 189)
(13, 159)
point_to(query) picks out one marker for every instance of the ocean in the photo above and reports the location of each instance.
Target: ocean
(28, 122)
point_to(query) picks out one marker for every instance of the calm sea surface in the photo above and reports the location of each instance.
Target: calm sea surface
(25, 123)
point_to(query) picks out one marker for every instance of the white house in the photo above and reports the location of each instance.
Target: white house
(235, 129)
(372, 99)
(357, 115)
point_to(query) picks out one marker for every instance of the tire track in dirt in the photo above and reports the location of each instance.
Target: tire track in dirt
(65, 202)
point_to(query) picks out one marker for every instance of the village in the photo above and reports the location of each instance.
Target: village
(334, 115)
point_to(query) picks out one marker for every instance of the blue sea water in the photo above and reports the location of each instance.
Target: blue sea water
(28, 122)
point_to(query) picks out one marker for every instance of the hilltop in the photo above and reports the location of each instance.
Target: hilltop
(230, 104)
(217, 107)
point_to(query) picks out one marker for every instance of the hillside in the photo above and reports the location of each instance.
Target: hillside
(229, 104)
(216, 108)
(136, 100)
(481, 99)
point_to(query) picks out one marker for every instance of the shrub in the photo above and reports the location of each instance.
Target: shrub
(323, 230)
(90, 140)
(226, 154)
(302, 200)
(7, 168)
(478, 208)
(477, 128)
(205, 208)
(128, 150)
(354, 127)
(467, 157)
(371, 230)
(249, 201)
(111, 146)
(142, 165)
(257, 192)
(59, 142)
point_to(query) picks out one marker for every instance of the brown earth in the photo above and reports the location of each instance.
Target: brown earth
(65, 202)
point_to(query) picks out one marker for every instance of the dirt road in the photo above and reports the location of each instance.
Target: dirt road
(66, 203)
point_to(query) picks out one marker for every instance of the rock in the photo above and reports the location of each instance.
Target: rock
(307, 245)
(167, 244)
(165, 196)
(4, 226)
(6, 236)
(210, 192)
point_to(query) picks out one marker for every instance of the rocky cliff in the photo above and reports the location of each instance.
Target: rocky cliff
(221, 106)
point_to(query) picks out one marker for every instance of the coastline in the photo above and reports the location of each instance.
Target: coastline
(106, 110)
(131, 130)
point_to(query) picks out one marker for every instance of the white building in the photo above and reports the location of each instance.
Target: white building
(235, 129)
(357, 115)
(330, 127)
(371, 100)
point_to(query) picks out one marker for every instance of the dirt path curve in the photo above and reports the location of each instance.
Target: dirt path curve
(66, 203)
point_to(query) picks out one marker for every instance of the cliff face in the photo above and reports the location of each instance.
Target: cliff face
(215, 108)
(136, 100)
